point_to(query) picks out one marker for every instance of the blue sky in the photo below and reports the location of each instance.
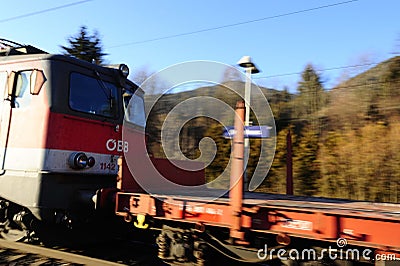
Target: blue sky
(357, 32)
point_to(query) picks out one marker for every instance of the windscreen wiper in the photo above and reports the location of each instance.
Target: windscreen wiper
(104, 87)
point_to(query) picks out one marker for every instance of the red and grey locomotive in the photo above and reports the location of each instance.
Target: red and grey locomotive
(60, 136)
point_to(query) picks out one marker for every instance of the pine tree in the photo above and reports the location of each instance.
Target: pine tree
(311, 95)
(222, 157)
(306, 166)
(332, 163)
(276, 179)
(86, 47)
(391, 77)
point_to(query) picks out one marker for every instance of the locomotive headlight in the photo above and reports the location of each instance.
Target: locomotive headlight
(124, 69)
(78, 160)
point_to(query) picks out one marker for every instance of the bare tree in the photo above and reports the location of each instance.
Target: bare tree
(148, 80)
(231, 74)
(396, 50)
(360, 63)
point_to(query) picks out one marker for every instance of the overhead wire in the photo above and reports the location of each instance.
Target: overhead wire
(253, 21)
(317, 70)
(43, 11)
(231, 25)
(205, 30)
(209, 29)
(354, 88)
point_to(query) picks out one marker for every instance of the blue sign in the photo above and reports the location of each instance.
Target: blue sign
(252, 132)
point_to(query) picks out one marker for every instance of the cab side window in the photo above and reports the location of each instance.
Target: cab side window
(134, 109)
(23, 95)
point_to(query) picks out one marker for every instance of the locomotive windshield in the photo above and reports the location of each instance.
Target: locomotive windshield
(94, 96)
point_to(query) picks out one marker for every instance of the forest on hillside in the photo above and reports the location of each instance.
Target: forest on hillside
(345, 140)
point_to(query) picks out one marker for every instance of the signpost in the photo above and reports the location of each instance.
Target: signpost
(251, 132)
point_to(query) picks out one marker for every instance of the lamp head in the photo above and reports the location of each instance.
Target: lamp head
(245, 62)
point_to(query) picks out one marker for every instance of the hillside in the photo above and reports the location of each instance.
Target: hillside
(369, 96)
(376, 76)
(345, 147)
(228, 93)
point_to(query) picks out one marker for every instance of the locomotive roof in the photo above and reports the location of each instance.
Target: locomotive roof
(66, 58)
(8, 48)
(11, 51)
(46, 56)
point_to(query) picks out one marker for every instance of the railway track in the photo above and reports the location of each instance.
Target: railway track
(111, 254)
(15, 253)
(115, 253)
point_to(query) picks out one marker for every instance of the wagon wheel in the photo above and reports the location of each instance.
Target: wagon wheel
(13, 232)
(10, 228)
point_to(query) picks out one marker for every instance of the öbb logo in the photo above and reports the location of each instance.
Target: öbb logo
(118, 145)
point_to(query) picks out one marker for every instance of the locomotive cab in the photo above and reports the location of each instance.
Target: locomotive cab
(60, 136)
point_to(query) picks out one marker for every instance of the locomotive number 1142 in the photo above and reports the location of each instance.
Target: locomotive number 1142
(108, 166)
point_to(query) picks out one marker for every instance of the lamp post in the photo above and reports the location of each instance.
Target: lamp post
(246, 63)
